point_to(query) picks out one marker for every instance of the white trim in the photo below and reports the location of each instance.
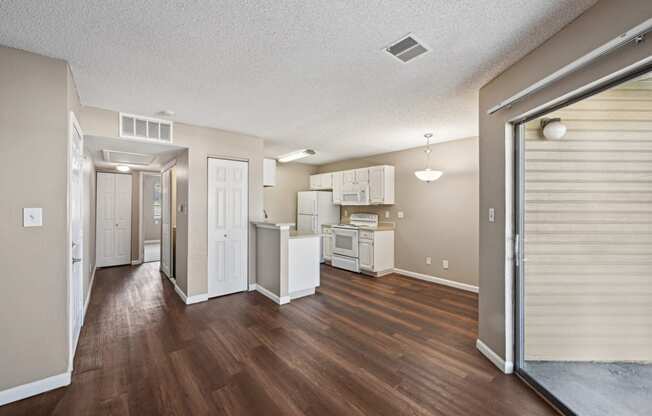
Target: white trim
(189, 300)
(301, 293)
(35, 387)
(509, 241)
(90, 290)
(281, 301)
(172, 163)
(602, 50)
(506, 367)
(438, 280)
(252, 287)
(141, 236)
(136, 262)
(151, 241)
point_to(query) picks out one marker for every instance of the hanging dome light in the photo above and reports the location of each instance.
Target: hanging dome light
(428, 175)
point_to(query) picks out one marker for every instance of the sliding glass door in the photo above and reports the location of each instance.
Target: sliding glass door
(584, 252)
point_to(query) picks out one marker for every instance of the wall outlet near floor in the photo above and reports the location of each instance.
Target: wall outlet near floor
(428, 260)
(386, 214)
(400, 214)
(444, 264)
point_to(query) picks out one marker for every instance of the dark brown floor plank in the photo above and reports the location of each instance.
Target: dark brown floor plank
(360, 346)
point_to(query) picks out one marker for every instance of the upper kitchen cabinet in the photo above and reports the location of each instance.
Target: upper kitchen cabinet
(269, 172)
(321, 181)
(381, 185)
(377, 180)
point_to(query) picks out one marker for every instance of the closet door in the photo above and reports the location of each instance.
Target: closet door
(228, 226)
(113, 219)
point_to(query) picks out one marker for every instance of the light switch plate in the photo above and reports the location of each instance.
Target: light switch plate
(386, 214)
(444, 264)
(492, 215)
(400, 214)
(32, 217)
(428, 260)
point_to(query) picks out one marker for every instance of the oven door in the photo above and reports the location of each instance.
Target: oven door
(345, 241)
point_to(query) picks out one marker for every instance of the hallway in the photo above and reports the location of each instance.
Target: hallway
(387, 346)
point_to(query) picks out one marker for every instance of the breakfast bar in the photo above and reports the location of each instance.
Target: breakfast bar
(287, 261)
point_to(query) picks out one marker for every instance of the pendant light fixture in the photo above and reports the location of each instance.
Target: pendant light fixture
(428, 175)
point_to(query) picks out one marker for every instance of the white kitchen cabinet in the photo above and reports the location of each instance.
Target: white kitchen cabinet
(362, 175)
(269, 172)
(348, 178)
(366, 254)
(321, 181)
(327, 244)
(381, 185)
(376, 252)
(336, 181)
(315, 182)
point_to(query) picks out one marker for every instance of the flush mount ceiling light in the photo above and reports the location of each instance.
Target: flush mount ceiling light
(428, 175)
(122, 168)
(299, 154)
(166, 113)
(553, 128)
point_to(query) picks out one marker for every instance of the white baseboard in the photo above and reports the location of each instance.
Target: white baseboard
(280, 300)
(90, 291)
(438, 280)
(36, 387)
(151, 241)
(301, 293)
(506, 367)
(136, 262)
(189, 300)
(252, 287)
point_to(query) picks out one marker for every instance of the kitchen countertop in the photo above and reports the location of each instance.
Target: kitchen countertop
(272, 224)
(383, 226)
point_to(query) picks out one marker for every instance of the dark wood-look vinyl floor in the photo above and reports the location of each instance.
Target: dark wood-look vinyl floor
(361, 346)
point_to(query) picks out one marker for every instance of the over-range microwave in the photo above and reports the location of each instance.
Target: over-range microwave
(358, 194)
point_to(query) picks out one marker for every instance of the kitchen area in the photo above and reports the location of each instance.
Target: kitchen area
(330, 226)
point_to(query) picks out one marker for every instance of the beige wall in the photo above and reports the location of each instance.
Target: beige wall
(88, 209)
(440, 218)
(35, 95)
(588, 238)
(603, 22)
(182, 244)
(202, 143)
(281, 200)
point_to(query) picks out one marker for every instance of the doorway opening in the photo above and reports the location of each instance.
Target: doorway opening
(584, 262)
(151, 216)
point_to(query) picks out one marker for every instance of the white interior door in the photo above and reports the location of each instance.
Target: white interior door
(228, 185)
(113, 219)
(166, 232)
(76, 235)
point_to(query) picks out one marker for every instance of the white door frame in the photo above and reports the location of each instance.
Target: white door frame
(73, 338)
(141, 210)
(168, 167)
(246, 254)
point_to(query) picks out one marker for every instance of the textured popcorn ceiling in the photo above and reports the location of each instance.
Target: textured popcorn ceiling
(297, 73)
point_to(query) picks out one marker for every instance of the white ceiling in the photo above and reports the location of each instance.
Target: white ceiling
(297, 73)
(162, 153)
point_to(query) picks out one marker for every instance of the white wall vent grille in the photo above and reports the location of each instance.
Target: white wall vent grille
(140, 127)
(406, 49)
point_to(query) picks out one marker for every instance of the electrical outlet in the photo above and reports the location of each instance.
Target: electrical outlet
(400, 214)
(444, 264)
(428, 260)
(492, 215)
(386, 214)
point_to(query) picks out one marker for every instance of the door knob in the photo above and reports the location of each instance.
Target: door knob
(224, 235)
(76, 260)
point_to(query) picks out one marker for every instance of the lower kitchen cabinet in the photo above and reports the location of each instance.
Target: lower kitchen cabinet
(376, 252)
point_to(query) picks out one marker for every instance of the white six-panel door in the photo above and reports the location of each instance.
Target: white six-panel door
(227, 226)
(113, 219)
(166, 233)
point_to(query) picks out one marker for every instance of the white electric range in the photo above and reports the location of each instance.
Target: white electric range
(345, 240)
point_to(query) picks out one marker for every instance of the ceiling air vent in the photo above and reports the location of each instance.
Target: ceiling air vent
(139, 127)
(406, 49)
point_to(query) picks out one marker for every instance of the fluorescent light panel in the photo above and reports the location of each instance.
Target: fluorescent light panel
(299, 154)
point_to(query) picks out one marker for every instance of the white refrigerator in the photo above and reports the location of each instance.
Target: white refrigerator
(315, 208)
